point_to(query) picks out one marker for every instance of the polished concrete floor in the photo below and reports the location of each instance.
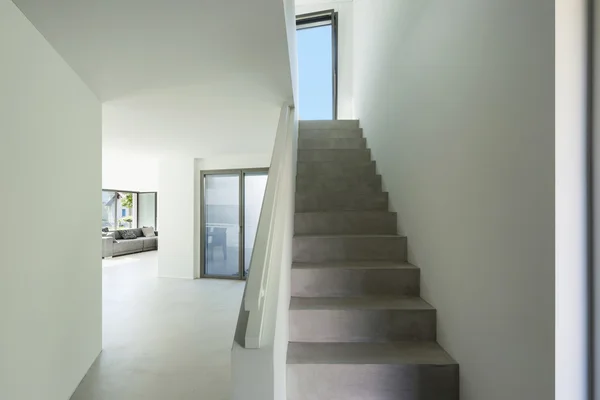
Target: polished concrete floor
(164, 339)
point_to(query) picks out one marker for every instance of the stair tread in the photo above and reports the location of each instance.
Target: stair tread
(361, 150)
(354, 265)
(346, 212)
(348, 164)
(359, 303)
(410, 352)
(362, 190)
(348, 236)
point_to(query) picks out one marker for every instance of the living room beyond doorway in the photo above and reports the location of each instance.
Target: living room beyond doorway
(129, 223)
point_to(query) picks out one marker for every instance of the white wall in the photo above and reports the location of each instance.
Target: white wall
(571, 367)
(235, 161)
(345, 10)
(50, 150)
(289, 7)
(457, 103)
(176, 218)
(129, 172)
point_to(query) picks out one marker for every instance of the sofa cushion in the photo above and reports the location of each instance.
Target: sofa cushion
(128, 234)
(128, 246)
(148, 231)
(150, 243)
(112, 234)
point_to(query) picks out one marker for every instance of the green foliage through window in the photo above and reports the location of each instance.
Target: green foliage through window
(127, 200)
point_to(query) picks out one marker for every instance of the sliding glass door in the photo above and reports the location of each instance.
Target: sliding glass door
(231, 204)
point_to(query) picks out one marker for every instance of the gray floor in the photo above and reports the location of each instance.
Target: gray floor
(163, 338)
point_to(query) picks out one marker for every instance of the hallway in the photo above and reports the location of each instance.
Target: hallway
(162, 338)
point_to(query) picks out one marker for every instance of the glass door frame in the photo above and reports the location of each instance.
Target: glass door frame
(322, 18)
(242, 206)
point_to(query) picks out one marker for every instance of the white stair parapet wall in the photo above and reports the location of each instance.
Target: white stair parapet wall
(261, 335)
(267, 254)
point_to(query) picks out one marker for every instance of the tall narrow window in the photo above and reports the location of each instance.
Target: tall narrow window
(147, 209)
(317, 65)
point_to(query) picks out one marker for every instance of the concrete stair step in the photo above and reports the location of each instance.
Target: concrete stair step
(345, 222)
(354, 280)
(361, 319)
(340, 201)
(332, 143)
(322, 184)
(320, 248)
(359, 156)
(374, 371)
(329, 133)
(335, 169)
(392, 353)
(329, 124)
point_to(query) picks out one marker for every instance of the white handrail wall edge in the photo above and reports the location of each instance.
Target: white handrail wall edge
(260, 344)
(267, 248)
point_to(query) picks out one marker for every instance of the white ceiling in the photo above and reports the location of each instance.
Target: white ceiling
(122, 47)
(197, 78)
(192, 121)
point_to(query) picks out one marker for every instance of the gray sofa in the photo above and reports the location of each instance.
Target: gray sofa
(121, 247)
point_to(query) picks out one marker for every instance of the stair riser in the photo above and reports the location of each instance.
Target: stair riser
(342, 144)
(328, 326)
(340, 248)
(329, 124)
(358, 156)
(345, 223)
(335, 170)
(330, 133)
(341, 282)
(318, 185)
(341, 201)
(373, 382)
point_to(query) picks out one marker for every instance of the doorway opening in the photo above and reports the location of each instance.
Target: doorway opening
(317, 65)
(231, 205)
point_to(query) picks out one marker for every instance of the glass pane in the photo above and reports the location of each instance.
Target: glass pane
(147, 209)
(108, 209)
(222, 219)
(254, 192)
(315, 72)
(126, 210)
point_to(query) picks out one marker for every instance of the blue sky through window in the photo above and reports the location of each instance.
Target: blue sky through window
(315, 73)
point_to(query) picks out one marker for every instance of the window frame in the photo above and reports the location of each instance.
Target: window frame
(137, 206)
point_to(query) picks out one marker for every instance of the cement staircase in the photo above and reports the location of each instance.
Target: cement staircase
(358, 328)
